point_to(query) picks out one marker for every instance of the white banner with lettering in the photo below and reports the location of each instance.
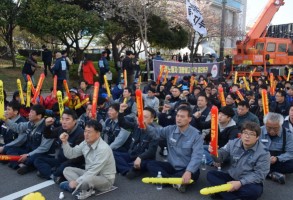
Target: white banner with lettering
(195, 18)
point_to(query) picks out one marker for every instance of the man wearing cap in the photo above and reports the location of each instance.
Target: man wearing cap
(150, 100)
(117, 90)
(71, 103)
(152, 84)
(129, 66)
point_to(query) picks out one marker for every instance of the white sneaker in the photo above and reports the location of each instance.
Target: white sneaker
(85, 194)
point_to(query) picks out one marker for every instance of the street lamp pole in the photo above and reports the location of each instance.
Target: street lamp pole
(222, 41)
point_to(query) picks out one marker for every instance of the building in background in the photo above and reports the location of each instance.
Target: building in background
(235, 15)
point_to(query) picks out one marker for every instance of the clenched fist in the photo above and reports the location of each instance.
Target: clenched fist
(64, 137)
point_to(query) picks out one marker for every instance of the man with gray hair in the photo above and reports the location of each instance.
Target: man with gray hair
(279, 141)
(59, 69)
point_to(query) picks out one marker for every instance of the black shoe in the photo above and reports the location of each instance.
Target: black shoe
(24, 170)
(180, 187)
(133, 174)
(58, 179)
(277, 177)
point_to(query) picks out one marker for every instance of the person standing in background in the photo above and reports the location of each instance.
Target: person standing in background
(68, 63)
(88, 70)
(47, 59)
(29, 68)
(60, 69)
(129, 66)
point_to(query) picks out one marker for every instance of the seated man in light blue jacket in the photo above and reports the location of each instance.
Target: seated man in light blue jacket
(279, 141)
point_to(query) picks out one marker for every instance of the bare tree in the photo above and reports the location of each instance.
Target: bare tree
(138, 11)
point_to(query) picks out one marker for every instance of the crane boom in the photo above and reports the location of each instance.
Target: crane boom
(260, 26)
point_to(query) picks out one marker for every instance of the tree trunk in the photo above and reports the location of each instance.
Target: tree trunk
(11, 45)
(115, 52)
(192, 48)
(79, 54)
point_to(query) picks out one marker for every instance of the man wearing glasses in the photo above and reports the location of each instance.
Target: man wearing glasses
(279, 141)
(249, 165)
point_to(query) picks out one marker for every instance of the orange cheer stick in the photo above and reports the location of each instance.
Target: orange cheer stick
(55, 86)
(165, 77)
(67, 89)
(160, 74)
(240, 95)
(192, 81)
(272, 84)
(32, 85)
(95, 100)
(265, 102)
(139, 106)
(251, 74)
(175, 80)
(214, 130)
(39, 87)
(9, 158)
(222, 97)
(125, 77)
(205, 83)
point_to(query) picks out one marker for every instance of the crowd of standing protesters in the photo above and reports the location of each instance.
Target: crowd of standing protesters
(83, 149)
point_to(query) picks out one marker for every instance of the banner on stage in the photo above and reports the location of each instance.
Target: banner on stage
(186, 69)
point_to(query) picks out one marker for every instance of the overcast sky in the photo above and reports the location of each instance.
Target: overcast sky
(283, 16)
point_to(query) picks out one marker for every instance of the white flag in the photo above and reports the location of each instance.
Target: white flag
(194, 16)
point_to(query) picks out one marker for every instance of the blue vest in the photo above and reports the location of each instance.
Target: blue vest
(34, 135)
(9, 136)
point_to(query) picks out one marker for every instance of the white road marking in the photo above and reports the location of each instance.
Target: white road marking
(28, 190)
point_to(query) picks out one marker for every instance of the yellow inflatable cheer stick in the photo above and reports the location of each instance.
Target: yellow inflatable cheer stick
(1, 100)
(28, 94)
(19, 87)
(81, 103)
(34, 196)
(107, 86)
(154, 180)
(216, 189)
(60, 103)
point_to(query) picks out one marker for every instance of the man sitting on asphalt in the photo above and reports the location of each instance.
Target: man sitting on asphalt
(99, 173)
(279, 141)
(143, 147)
(50, 167)
(185, 147)
(36, 145)
(12, 113)
(250, 164)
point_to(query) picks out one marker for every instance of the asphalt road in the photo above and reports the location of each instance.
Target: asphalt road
(11, 183)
